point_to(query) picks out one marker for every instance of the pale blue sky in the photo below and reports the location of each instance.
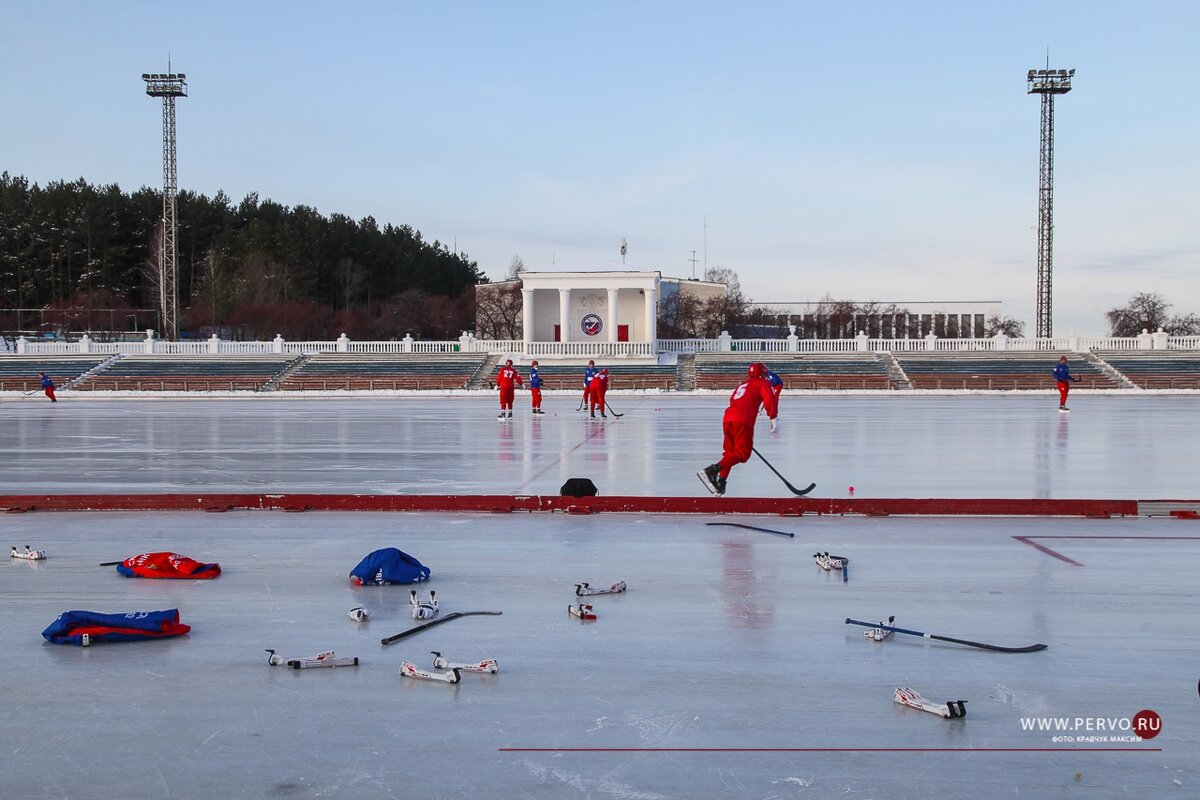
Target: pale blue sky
(872, 151)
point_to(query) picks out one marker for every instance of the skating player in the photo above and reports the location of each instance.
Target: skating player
(588, 374)
(598, 390)
(738, 425)
(48, 386)
(535, 388)
(1062, 374)
(507, 378)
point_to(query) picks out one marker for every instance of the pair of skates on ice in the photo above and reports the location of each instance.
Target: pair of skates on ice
(585, 611)
(29, 554)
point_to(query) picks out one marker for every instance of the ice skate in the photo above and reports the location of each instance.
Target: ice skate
(422, 610)
(951, 709)
(710, 476)
(583, 611)
(584, 590)
(486, 665)
(413, 671)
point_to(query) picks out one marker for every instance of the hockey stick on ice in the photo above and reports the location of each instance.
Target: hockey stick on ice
(611, 410)
(791, 488)
(1033, 648)
(110, 563)
(751, 528)
(418, 628)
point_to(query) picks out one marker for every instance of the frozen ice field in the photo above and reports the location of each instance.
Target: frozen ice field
(725, 671)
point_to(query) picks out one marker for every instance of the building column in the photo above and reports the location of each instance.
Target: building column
(564, 314)
(652, 319)
(527, 317)
(612, 314)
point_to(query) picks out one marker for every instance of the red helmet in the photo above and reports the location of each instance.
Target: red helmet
(757, 370)
(604, 372)
(508, 363)
(533, 363)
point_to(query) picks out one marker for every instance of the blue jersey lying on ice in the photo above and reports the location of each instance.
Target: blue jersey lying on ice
(389, 565)
(136, 626)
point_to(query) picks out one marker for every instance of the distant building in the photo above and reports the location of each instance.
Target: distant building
(595, 307)
(949, 319)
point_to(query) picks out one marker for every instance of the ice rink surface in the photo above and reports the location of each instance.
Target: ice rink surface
(726, 669)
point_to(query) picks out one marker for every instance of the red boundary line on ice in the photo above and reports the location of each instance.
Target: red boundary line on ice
(1053, 553)
(830, 749)
(1029, 541)
(783, 506)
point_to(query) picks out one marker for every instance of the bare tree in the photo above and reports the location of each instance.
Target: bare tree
(1144, 311)
(515, 268)
(350, 277)
(678, 316)
(1012, 328)
(1184, 325)
(498, 310)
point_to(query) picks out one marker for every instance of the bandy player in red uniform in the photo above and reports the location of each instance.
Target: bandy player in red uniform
(738, 424)
(596, 391)
(507, 379)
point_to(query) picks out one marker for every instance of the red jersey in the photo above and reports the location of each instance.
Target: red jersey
(599, 383)
(746, 399)
(506, 377)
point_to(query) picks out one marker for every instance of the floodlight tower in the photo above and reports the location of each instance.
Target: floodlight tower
(1047, 83)
(167, 86)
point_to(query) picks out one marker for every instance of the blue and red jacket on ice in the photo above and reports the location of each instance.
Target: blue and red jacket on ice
(167, 565)
(136, 626)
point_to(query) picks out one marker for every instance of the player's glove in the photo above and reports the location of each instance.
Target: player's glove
(774, 425)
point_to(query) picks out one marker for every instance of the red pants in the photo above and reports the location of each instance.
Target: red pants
(506, 397)
(596, 399)
(535, 395)
(1063, 388)
(739, 441)
(50, 393)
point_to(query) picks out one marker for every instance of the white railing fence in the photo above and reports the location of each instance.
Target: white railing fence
(724, 343)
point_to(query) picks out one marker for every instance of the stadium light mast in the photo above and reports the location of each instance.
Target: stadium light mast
(167, 86)
(1047, 83)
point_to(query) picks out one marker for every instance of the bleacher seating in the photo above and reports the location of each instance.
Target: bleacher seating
(808, 371)
(1157, 369)
(204, 373)
(997, 370)
(620, 376)
(347, 371)
(20, 373)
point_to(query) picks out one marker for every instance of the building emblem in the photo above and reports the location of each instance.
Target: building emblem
(591, 324)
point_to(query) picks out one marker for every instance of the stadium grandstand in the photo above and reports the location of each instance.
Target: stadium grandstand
(809, 371)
